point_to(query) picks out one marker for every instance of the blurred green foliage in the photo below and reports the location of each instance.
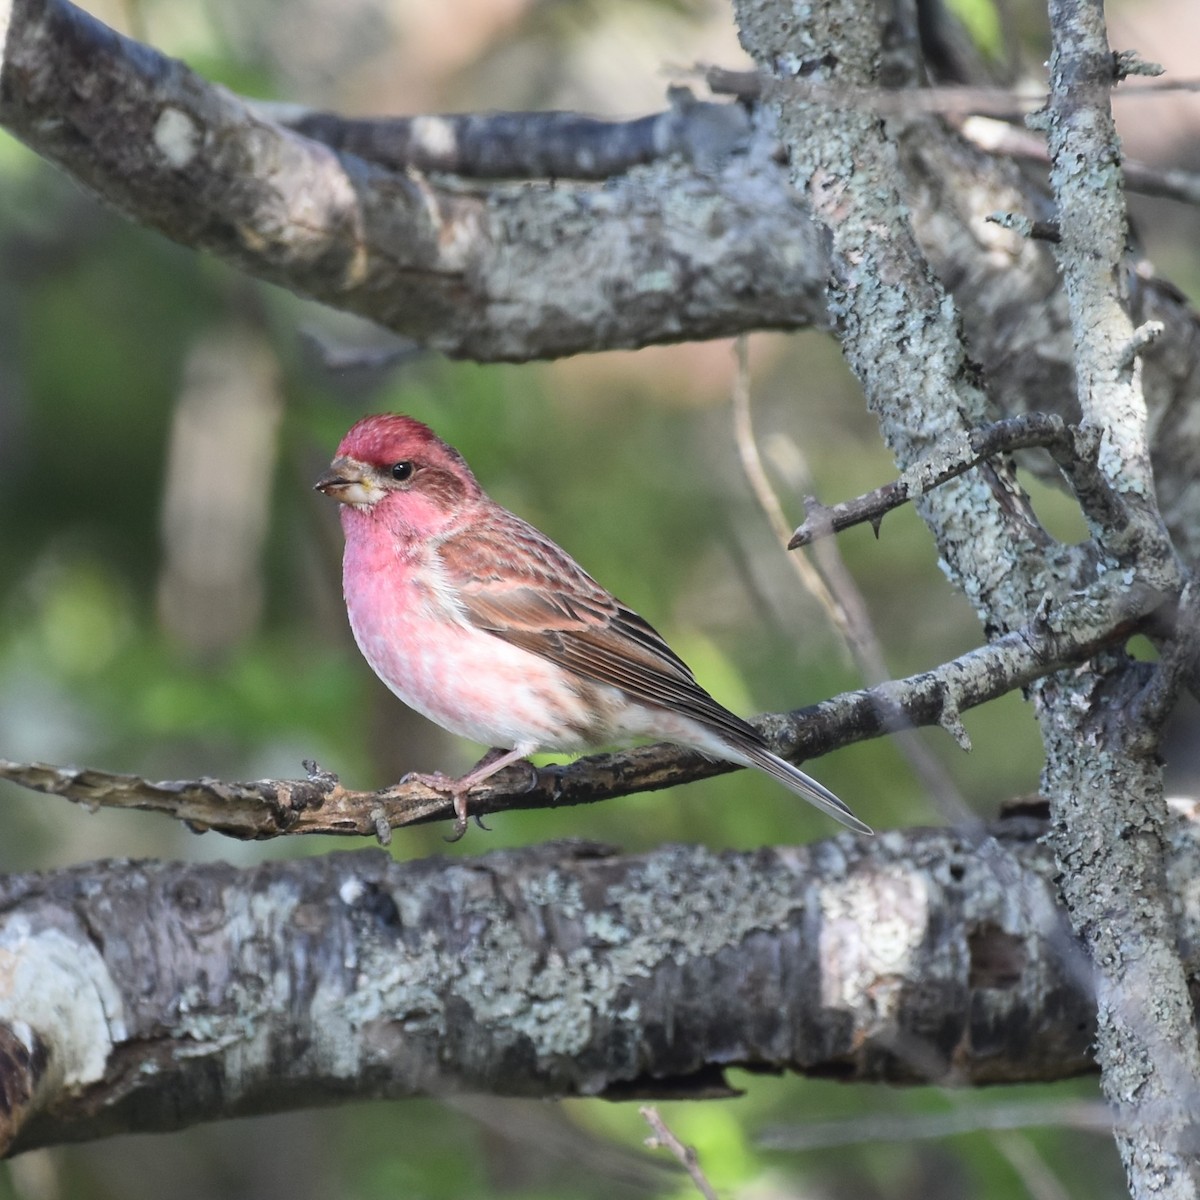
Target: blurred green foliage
(982, 21)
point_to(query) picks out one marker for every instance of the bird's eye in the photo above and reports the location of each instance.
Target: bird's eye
(401, 471)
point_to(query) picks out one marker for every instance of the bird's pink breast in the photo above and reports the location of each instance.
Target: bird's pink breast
(410, 629)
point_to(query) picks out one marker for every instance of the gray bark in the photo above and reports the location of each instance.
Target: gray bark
(681, 248)
(904, 338)
(1103, 774)
(509, 273)
(141, 996)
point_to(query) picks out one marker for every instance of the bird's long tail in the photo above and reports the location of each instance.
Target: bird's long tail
(803, 785)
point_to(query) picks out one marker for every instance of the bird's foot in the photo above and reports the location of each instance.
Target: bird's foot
(461, 818)
(494, 760)
(453, 788)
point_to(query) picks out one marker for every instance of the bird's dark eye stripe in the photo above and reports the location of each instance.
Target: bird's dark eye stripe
(401, 471)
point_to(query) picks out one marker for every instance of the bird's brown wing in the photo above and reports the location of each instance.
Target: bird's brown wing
(517, 584)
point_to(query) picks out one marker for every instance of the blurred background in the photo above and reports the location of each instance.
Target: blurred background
(170, 585)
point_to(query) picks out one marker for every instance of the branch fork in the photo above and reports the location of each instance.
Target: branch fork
(1074, 450)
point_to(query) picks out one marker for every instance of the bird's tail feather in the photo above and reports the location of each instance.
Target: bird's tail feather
(803, 785)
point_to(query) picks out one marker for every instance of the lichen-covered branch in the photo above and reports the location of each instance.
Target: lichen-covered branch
(1068, 633)
(901, 334)
(1103, 773)
(533, 145)
(898, 327)
(148, 996)
(1015, 315)
(1072, 453)
(674, 251)
(511, 273)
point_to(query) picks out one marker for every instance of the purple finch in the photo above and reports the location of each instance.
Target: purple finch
(480, 622)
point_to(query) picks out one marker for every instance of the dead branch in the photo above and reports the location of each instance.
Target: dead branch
(957, 457)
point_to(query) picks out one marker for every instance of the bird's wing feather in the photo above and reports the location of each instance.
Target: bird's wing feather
(515, 583)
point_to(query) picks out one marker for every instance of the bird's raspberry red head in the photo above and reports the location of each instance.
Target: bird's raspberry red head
(392, 467)
(385, 438)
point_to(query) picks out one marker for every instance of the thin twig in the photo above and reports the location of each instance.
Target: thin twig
(1090, 1116)
(1068, 633)
(664, 1139)
(1176, 668)
(1038, 231)
(1015, 433)
(999, 137)
(841, 598)
(1040, 1181)
(768, 501)
(1075, 451)
(867, 649)
(944, 98)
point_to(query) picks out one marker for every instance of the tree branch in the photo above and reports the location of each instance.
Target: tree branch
(1103, 774)
(153, 995)
(517, 273)
(898, 328)
(999, 137)
(901, 335)
(1062, 634)
(532, 145)
(663, 1138)
(1074, 453)
(664, 254)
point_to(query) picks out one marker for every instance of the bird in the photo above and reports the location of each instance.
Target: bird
(483, 624)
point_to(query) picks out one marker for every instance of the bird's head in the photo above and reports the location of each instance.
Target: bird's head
(392, 467)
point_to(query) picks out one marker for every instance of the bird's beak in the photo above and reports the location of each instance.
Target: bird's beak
(348, 482)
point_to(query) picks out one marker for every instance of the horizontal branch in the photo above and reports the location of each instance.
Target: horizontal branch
(532, 145)
(999, 137)
(517, 273)
(1060, 636)
(155, 995)
(667, 252)
(1075, 451)
(938, 98)
(1016, 433)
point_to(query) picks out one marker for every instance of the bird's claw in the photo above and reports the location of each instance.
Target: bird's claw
(439, 782)
(462, 818)
(555, 770)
